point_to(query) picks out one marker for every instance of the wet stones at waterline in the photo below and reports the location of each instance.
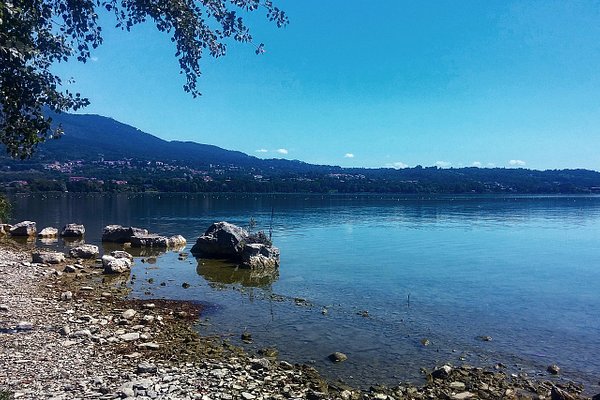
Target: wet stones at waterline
(47, 257)
(86, 251)
(73, 231)
(48, 232)
(24, 228)
(113, 265)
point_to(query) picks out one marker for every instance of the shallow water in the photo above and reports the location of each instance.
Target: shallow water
(523, 270)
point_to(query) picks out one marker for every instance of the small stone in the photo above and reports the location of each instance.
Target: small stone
(149, 305)
(81, 333)
(129, 337)
(146, 368)
(127, 392)
(457, 385)
(338, 357)
(87, 288)
(425, 342)
(65, 330)
(248, 396)
(24, 326)
(247, 337)
(149, 345)
(442, 373)
(185, 285)
(129, 314)
(553, 369)
(559, 394)
(70, 269)
(463, 395)
(66, 296)
(3, 307)
(485, 338)
(269, 352)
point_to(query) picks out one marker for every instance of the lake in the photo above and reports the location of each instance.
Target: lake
(373, 276)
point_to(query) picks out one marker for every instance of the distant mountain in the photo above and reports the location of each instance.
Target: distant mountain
(88, 136)
(100, 154)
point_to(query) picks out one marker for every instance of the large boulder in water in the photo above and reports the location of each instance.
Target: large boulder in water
(221, 240)
(260, 256)
(73, 231)
(121, 234)
(25, 228)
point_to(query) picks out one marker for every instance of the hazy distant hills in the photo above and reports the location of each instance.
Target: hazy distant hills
(100, 154)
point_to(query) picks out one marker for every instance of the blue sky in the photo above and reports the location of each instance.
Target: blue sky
(372, 84)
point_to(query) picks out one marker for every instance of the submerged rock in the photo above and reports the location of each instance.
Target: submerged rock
(87, 251)
(24, 228)
(337, 357)
(553, 369)
(73, 231)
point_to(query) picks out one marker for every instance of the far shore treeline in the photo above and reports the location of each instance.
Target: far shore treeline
(99, 154)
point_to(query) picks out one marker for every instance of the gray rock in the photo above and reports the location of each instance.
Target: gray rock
(149, 345)
(47, 257)
(24, 228)
(221, 239)
(553, 369)
(70, 269)
(65, 330)
(129, 337)
(463, 396)
(260, 256)
(129, 314)
(121, 234)
(114, 265)
(86, 251)
(121, 254)
(73, 231)
(150, 240)
(146, 368)
(177, 241)
(442, 373)
(66, 296)
(127, 392)
(24, 326)
(48, 232)
(338, 357)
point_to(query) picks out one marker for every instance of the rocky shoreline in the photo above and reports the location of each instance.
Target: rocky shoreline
(76, 336)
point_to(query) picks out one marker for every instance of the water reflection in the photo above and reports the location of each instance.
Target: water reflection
(220, 271)
(73, 242)
(139, 251)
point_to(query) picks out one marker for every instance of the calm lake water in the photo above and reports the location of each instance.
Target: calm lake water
(523, 270)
